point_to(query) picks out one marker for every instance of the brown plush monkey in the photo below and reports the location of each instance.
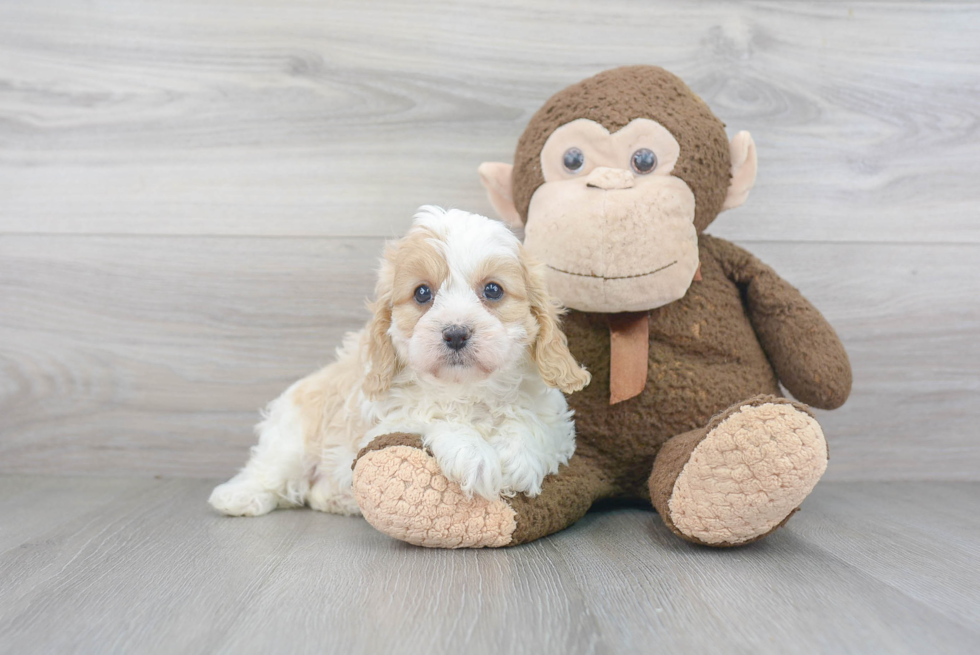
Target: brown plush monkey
(687, 336)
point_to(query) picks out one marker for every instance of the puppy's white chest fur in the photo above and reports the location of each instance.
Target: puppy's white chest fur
(417, 403)
(499, 436)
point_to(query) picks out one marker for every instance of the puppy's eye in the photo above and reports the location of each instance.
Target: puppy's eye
(573, 160)
(643, 161)
(493, 291)
(423, 294)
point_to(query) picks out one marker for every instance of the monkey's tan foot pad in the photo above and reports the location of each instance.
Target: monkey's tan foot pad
(402, 493)
(748, 475)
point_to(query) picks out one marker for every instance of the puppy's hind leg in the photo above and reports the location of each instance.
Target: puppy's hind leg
(277, 473)
(331, 490)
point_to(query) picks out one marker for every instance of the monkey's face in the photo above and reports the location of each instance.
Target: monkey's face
(613, 226)
(612, 181)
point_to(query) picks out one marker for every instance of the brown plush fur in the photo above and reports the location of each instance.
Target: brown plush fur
(705, 358)
(614, 98)
(708, 351)
(737, 333)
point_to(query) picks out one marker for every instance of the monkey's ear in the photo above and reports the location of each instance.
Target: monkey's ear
(744, 167)
(497, 179)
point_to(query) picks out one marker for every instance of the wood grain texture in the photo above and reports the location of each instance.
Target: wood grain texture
(148, 355)
(302, 117)
(27, 510)
(151, 355)
(865, 567)
(193, 196)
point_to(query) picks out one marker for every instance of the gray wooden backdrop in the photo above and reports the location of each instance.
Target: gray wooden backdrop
(194, 194)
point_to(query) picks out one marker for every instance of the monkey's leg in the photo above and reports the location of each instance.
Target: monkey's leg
(742, 476)
(401, 492)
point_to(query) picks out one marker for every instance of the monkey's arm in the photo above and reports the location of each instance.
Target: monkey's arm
(799, 342)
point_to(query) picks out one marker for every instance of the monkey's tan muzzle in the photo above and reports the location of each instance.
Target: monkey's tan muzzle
(630, 249)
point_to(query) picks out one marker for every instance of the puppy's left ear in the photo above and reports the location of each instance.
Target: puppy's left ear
(550, 350)
(381, 350)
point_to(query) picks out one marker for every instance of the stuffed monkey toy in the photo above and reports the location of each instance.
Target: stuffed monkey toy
(687, 336)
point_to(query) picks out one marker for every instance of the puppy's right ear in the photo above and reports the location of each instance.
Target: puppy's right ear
(556, 364)
(498, 180)
(381, 350)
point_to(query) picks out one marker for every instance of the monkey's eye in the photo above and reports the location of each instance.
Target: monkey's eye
(573, 160)
(493, 291)
(423, 294)
(643, 161)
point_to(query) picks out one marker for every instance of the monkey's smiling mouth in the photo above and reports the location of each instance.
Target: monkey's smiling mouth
(617, 277)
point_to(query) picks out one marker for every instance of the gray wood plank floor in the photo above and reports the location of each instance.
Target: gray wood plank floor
(95, 565)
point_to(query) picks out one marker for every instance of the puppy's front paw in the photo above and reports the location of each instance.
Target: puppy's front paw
(522, 472)
(470, 462)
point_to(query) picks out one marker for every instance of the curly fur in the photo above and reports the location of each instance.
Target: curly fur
(490, 412)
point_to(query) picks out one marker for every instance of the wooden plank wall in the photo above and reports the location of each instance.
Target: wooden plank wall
(193, 196)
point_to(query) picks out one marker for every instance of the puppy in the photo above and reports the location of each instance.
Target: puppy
(464, 348)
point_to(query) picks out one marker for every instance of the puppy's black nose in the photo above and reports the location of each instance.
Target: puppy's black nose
(455, 337)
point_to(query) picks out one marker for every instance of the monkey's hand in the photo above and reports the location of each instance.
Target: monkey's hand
(799, 342)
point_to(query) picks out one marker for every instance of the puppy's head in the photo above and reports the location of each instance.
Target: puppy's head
(459, 300)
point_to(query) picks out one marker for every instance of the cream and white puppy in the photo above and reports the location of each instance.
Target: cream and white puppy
(464, 348)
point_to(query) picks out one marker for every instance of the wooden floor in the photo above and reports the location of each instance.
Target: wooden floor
(143, 565)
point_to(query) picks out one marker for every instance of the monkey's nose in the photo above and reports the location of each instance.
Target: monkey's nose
(456, 337)
(608, 179)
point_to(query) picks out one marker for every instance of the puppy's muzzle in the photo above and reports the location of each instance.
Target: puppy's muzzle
(456, 337)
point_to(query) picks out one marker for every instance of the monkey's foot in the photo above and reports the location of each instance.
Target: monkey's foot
(742, 476)
(402, 492)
